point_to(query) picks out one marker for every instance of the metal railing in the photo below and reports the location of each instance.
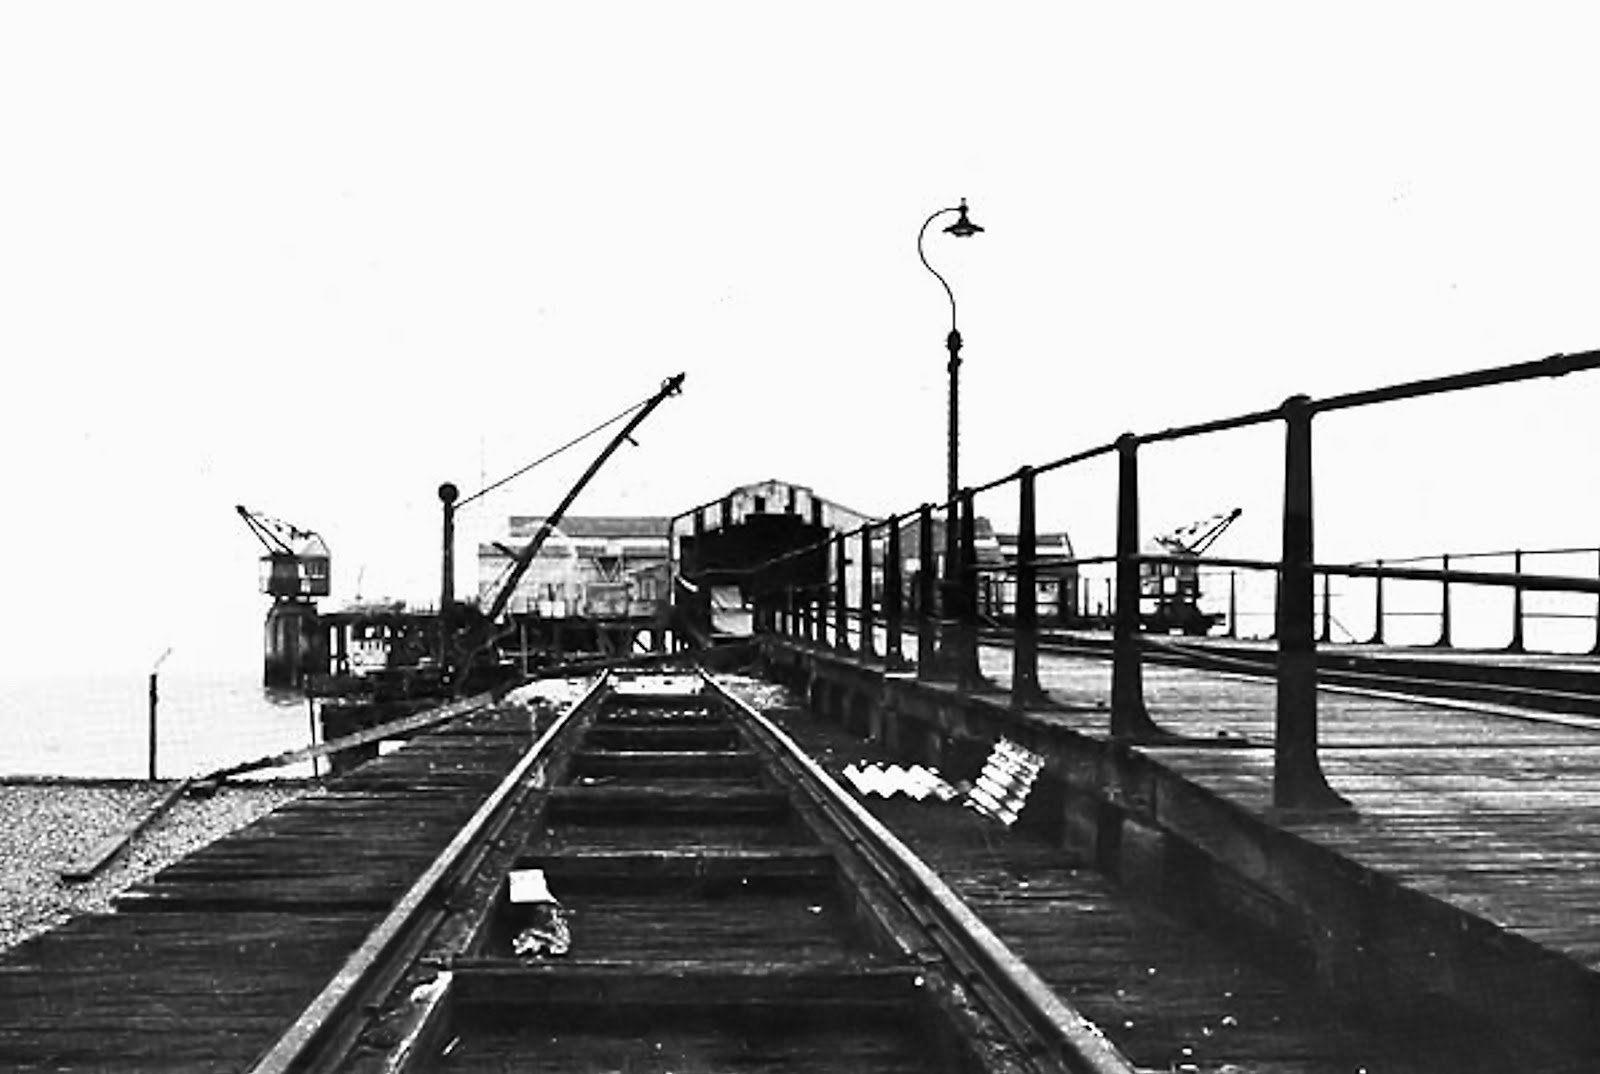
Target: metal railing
(855, 590)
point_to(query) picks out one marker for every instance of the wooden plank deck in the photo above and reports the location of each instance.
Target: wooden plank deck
(1496, 815)
(1170, 996)
(206, 962)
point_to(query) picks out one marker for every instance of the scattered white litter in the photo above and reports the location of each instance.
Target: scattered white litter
(1002, 787)
(887, 780)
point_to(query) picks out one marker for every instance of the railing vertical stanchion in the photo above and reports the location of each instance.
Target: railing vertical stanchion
(947, 659)
(1325, 636)
(1595, 649)
(1516, 645)
(1129, 717)
(1025, 689)
(927, 657)
(841, 601)
(824, 595)
(1377, 606)
(969, 675)
(1446, 634)
(1298, 783)
(1233, 603)
(868, 647)
(893, 597)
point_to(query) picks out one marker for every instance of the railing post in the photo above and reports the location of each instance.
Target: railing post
(1025, 689)
(824, 593)
(1595, 649)
(1129, 717)
(948, 661)
(1446, 634)
(1377, 610)
(868, 647)
(893, 598)
(927, 657)
(1233, 603)
(968, 674)
(1325, 637)
(1298, 783)
(841, 609)
(1516, 645)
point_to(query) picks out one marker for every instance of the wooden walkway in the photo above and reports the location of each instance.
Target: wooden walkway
(1171, 997)
(202, 966)
(1496, 814)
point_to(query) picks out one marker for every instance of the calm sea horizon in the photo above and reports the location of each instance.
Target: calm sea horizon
(96, 725)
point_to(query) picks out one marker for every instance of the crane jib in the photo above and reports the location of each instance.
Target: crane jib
(671, 386)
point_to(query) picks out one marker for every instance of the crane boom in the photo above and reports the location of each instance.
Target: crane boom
(671, 386)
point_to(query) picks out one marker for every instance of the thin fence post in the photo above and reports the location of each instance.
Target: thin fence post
(1025, 689)
(1298, 783)
(893, 597)
(868, 647)
(154, 698)
(1516, 645)
(1129, 717)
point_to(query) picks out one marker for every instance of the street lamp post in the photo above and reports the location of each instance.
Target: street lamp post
(962, 228)
(958, 658)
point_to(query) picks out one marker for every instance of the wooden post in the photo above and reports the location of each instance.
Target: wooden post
(1325, 637)
(154, 697)
(1025, 689)
(311, 718)
(1298, 783)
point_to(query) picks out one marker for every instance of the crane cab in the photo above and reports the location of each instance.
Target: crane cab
(299, 573)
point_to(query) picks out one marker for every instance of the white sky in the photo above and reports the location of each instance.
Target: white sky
(317, 258)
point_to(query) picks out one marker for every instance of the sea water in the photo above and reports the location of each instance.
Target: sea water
(98, 724)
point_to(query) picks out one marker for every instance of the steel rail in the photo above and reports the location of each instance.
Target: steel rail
(297, 1048)
(1533, 704)
(1059, 1032)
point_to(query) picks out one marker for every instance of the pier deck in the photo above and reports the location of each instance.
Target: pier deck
(202, 966)
(1493, 812)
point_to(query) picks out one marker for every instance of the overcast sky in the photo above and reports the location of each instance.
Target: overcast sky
(318, 258)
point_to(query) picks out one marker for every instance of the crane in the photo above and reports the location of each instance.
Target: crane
(1169, 591)
(296, 565)
(1196, 537)
(479, 636)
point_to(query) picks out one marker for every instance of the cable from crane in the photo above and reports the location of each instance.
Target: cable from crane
(546, 458)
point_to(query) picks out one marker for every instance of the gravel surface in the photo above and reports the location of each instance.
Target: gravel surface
(48, 826)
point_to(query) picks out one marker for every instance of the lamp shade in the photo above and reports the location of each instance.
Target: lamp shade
(963, 228)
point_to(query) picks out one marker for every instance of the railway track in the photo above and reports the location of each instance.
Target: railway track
(1564, 695)
(722, 904)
